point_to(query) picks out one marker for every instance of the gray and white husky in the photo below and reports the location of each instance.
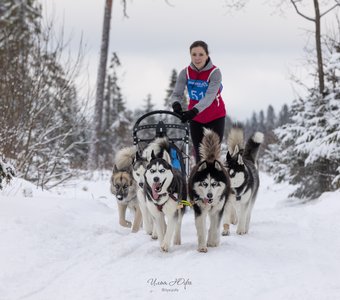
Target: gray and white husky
(164, 187)
(138, 169)
(209, 188)
(241, 163)
(124, 188)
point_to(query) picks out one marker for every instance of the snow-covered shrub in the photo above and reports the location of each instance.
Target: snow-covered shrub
(6, 172)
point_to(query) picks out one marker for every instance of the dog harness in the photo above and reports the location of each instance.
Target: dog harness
(181, 203)
(197, 85)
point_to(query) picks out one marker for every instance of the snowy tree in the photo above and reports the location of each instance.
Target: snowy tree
(271, 118)
(169, 91)
(284, 117)
(6, 172)
(261, 125)
(116, 122)
(37, 96)
(308, 153)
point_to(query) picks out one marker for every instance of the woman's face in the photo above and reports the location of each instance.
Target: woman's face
(198, 57)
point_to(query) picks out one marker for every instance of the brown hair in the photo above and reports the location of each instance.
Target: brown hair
(200, 44)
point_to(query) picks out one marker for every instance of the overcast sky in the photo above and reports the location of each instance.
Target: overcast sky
(255, 49)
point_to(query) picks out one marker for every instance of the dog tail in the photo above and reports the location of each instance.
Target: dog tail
(124, 158)
(235, 141)
(252, 148)
(210, 148)
(158, 146)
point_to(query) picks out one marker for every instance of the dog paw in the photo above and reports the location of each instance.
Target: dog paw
(241, 232)
(177, 242)
(126, 224)
(165, 247)
(212, 244)
(225, 232)
(234, 220)
(202, 249)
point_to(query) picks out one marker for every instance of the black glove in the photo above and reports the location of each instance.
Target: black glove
(177, 107)
(189, 115)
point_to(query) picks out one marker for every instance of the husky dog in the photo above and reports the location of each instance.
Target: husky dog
(124, 188)
(241, 163)
(209, 189)
(138, 169)
(164, 187)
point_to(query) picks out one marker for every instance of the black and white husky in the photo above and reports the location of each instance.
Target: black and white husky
(164, 187)
(209, 189)
(241, 163)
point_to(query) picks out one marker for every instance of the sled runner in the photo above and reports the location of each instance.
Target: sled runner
(163, 123)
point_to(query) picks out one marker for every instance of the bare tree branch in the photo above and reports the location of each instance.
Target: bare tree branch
(327, 11)
(300, 13)
(125, 8)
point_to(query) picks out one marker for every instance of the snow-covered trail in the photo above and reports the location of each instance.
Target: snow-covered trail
(70, 246)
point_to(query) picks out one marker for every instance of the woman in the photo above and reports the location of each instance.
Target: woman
(206, 107)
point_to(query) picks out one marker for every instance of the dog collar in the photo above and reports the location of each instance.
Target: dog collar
(203, 201)
(159, 207)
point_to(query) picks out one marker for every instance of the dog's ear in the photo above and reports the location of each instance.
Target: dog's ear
(218, 166)
(239, 159)
(153, 156)
(229, 158)
(138, 156)
(115, 169)
(167, 157)
(202, 166)
(236, 150)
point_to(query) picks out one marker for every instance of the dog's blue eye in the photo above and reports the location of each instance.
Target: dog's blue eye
(125, 187)
(162, 171)
(152, 171)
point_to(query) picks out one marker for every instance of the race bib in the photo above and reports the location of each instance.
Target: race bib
(197, 89)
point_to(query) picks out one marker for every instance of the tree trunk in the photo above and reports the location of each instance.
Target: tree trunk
(98, 113)
(318, 47)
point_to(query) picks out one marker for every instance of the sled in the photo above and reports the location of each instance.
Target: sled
(163, 123)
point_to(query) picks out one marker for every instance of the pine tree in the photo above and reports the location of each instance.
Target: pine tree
(284, 117)
(115, 132)
(308, 153)
(261, 125)
(169, 91)
(271, 118)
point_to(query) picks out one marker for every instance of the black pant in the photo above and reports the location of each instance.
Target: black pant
(196, 131)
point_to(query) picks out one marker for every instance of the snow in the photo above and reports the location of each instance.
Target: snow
(67, 244)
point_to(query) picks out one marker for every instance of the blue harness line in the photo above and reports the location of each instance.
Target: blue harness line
(175, 159)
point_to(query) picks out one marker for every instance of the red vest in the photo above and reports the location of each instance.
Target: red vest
(216, 109)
